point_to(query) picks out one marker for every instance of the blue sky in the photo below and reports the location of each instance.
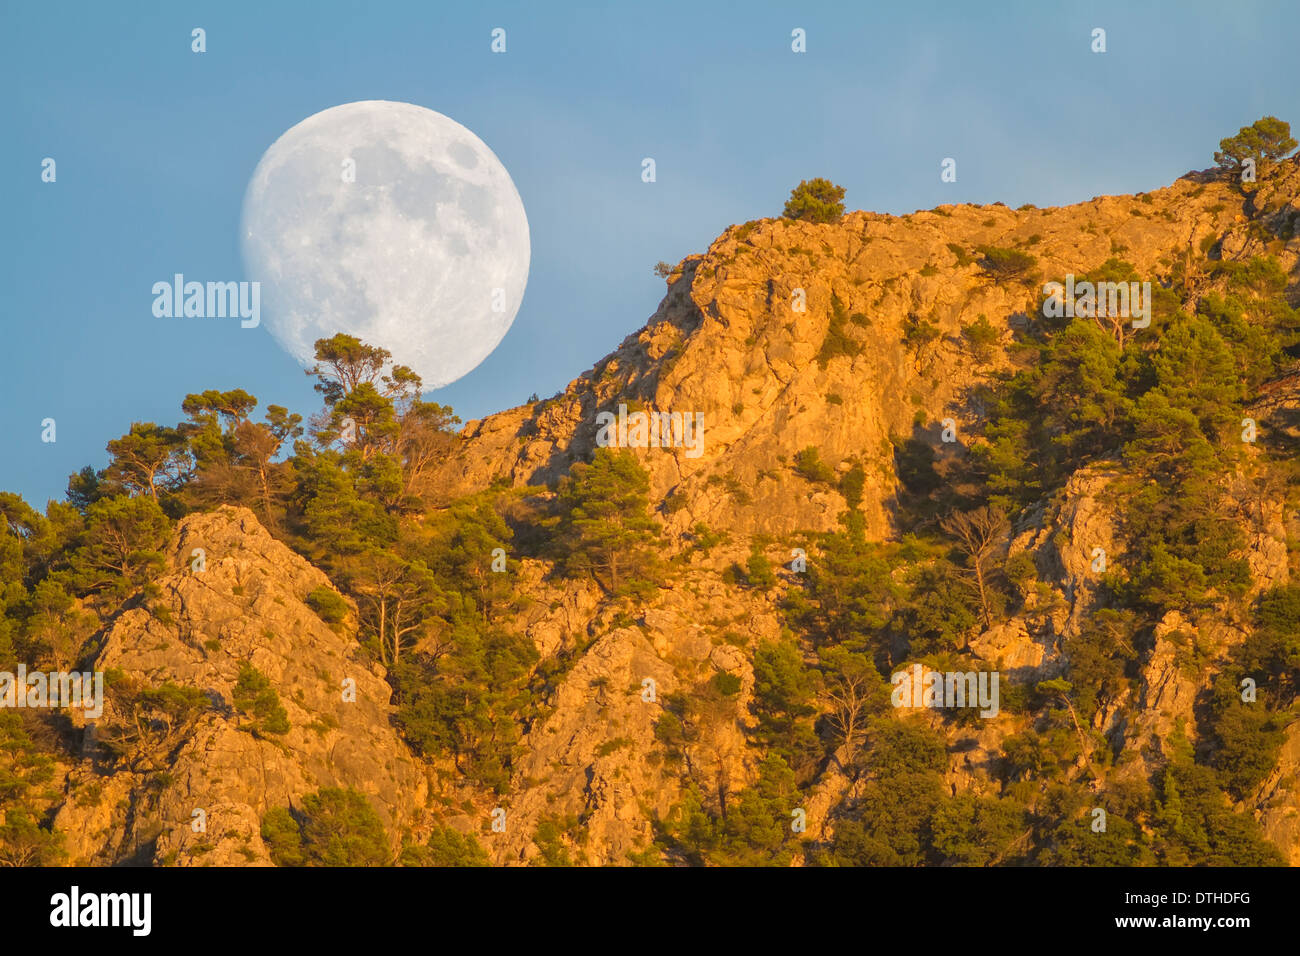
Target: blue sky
(155, 146)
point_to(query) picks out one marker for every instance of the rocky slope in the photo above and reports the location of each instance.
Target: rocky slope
(244, 602)
(726, 343)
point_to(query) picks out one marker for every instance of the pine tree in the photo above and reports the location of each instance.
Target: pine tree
(605, 523)
(815, 200)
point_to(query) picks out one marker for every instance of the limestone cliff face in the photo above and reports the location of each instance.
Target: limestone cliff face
(594, 757)
(729, 343)
(245, 604)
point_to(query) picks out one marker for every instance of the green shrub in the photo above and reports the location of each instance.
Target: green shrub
(851, 485)
(837, 341)
(1008, 264)
(446, 847)
(332, 827)
(254, 696)
(919, 332)
(1021, 567)
(815, 200)
(758, 570)
(549, 838)
(726, 684)
(616, 743)
(328, 604)
(981, 336)
(808, 464)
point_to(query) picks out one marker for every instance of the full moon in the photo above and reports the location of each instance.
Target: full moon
(392, 223)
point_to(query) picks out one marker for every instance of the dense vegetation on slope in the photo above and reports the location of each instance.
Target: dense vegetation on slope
(1165, 415)
(354, 500)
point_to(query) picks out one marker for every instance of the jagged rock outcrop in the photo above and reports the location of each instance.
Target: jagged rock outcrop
(594, 757)
(243, 603)
(728, 342)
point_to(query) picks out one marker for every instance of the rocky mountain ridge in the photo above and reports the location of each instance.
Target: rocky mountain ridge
(849, 376)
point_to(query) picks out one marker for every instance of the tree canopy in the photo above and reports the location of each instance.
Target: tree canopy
(815, 200)
(1265, 141)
